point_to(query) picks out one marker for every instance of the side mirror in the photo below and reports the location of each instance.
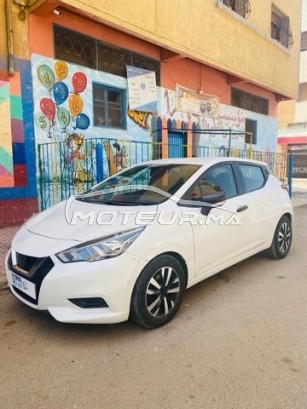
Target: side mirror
(213, 199)
(207, 201)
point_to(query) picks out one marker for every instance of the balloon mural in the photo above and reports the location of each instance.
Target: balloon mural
(62, 107)
(61, 113)
(46, 76)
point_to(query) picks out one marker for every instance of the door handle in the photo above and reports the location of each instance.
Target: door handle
(242, 208)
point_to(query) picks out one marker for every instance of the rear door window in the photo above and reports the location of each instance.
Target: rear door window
(253, 177)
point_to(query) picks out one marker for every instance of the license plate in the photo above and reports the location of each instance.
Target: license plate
(23, 285)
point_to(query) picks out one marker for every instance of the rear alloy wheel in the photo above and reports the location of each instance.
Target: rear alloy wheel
(282, 240)
(158, 292)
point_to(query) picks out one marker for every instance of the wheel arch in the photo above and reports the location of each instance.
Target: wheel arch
(289, 216)
(282, 238)
(181, 260)
(146, 314)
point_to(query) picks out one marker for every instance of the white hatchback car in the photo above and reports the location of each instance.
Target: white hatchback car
(131, 245)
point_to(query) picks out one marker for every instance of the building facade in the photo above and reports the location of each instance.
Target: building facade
(138, 79)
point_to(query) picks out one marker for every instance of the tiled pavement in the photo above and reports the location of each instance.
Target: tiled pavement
(299, 198)
(6, 237)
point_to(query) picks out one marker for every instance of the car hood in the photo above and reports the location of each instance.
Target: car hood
(82, 221)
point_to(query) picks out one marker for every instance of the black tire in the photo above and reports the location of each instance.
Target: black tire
(282, 240)
(158, 292)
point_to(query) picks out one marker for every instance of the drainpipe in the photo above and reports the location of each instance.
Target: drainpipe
(9, 30)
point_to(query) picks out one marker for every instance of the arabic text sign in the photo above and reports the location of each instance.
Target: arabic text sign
(142, 89)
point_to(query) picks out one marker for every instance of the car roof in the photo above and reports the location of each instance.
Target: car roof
(209, 160)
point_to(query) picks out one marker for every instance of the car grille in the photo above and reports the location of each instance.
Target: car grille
(33, 269)
(25, 262)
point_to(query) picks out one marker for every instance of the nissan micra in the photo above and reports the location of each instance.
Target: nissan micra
(131, 245)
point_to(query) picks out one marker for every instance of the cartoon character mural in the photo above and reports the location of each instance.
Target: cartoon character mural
(61, 113)
(75, 158)
(116, 156)
(141, 118)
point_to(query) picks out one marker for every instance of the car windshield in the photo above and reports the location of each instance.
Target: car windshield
(141, 185)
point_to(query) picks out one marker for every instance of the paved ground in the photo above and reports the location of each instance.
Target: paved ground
(299, 198)
(6, 236)
(237, 342)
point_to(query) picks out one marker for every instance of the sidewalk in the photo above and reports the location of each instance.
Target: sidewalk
(299, 198)
(6, 237)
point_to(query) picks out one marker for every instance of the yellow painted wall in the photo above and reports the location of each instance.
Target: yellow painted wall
(286, 114)
(19, 30)
(197, 29)
(201, 30)
(2, 29)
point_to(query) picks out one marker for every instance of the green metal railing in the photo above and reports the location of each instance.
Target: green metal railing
(65, 170)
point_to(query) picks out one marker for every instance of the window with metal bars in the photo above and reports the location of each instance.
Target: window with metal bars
(74, 47)
(78, 48)
(249, 102)
(280, 28)
(241, 7)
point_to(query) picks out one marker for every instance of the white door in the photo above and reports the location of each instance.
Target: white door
(221, 237)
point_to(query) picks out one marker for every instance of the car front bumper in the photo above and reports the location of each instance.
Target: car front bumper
(110, 280)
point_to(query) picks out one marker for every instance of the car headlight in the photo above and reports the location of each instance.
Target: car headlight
(106, 247)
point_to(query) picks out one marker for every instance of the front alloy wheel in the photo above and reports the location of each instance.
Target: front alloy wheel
(158, 292)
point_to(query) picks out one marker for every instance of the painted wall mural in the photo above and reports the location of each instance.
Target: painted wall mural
(6, 154)
(13, 168)
(18, 188)
(228, 117)
(63, 111)
(69, 135)
(60, 116)
(79, 102)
